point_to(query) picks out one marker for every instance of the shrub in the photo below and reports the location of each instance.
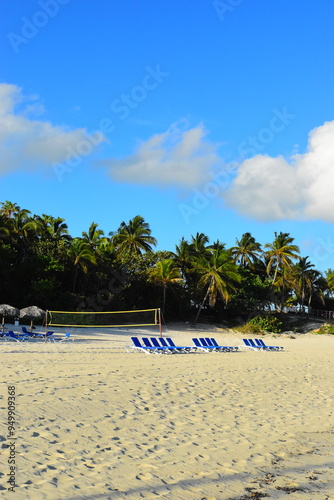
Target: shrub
(327, 329)
(267, 323)
(250, 329)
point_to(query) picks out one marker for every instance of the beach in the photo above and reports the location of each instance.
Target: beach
(95, 421)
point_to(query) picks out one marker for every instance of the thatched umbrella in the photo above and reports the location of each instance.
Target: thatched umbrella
(7, 310)
(32, 312)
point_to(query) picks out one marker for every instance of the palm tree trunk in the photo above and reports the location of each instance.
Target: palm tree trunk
(164, 299)
(202, 303)
(303, 298)
(275, 275)
(75, 278)
(283, 291)
(309, 303)
(273, 283)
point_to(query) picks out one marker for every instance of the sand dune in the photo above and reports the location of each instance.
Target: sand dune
(94, 421)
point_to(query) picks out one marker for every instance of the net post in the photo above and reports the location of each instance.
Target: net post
(160, 322)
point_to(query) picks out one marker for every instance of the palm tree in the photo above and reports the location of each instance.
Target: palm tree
(22, 226)
(182, 256)
(94, 235)
(318, 287)
(8, 209)
(81, 254)
(247, 251)
(197, 244)
(302, 278)
(134, 237)
(217, 245)
(165, 273)
(329, 276)
(4, 229)
(52, 228)
(218, 277)
(280, 253)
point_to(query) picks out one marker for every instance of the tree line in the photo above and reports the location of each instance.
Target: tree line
(42, 264)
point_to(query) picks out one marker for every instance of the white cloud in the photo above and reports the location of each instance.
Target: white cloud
(29, 144)
(176, 157)
(268, 188)
(263, 187)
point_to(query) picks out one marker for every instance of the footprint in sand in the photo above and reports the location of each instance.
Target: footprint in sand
(147, 476)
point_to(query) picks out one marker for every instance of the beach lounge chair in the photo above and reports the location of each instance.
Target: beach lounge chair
(27, 332)
(187, 348)
(66, 337)
(136, 345)
(203, 346)
(207, 343)
(156, 348)
(249, 344)
(253, 346)
(166, 348)
(24, 330)
(260, 343)
(222, 347)
(36, 334)
(173, 348)
(59, 339)
(17, 338)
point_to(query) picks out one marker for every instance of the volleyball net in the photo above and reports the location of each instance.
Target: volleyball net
(109, 319)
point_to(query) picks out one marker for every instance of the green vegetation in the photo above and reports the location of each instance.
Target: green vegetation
(327, 329)
(42, 264)
(267, 323)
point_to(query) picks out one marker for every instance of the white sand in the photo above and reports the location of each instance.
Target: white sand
(94, 421)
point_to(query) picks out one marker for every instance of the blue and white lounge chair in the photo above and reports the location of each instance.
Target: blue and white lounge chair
(66, 337)
(249, 344)
(174, 348)
(224, 348)
(203, 346)
(186, 348)
(259, 345)
(136, 345)
(265, 347)
(17, 338)
(36, 334)
(164, 348)
(163, 343)
(60, 339)
(157, 348)
(254, 345)
(207, 343)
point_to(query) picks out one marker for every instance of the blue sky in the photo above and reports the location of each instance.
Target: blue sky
(214, 117)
